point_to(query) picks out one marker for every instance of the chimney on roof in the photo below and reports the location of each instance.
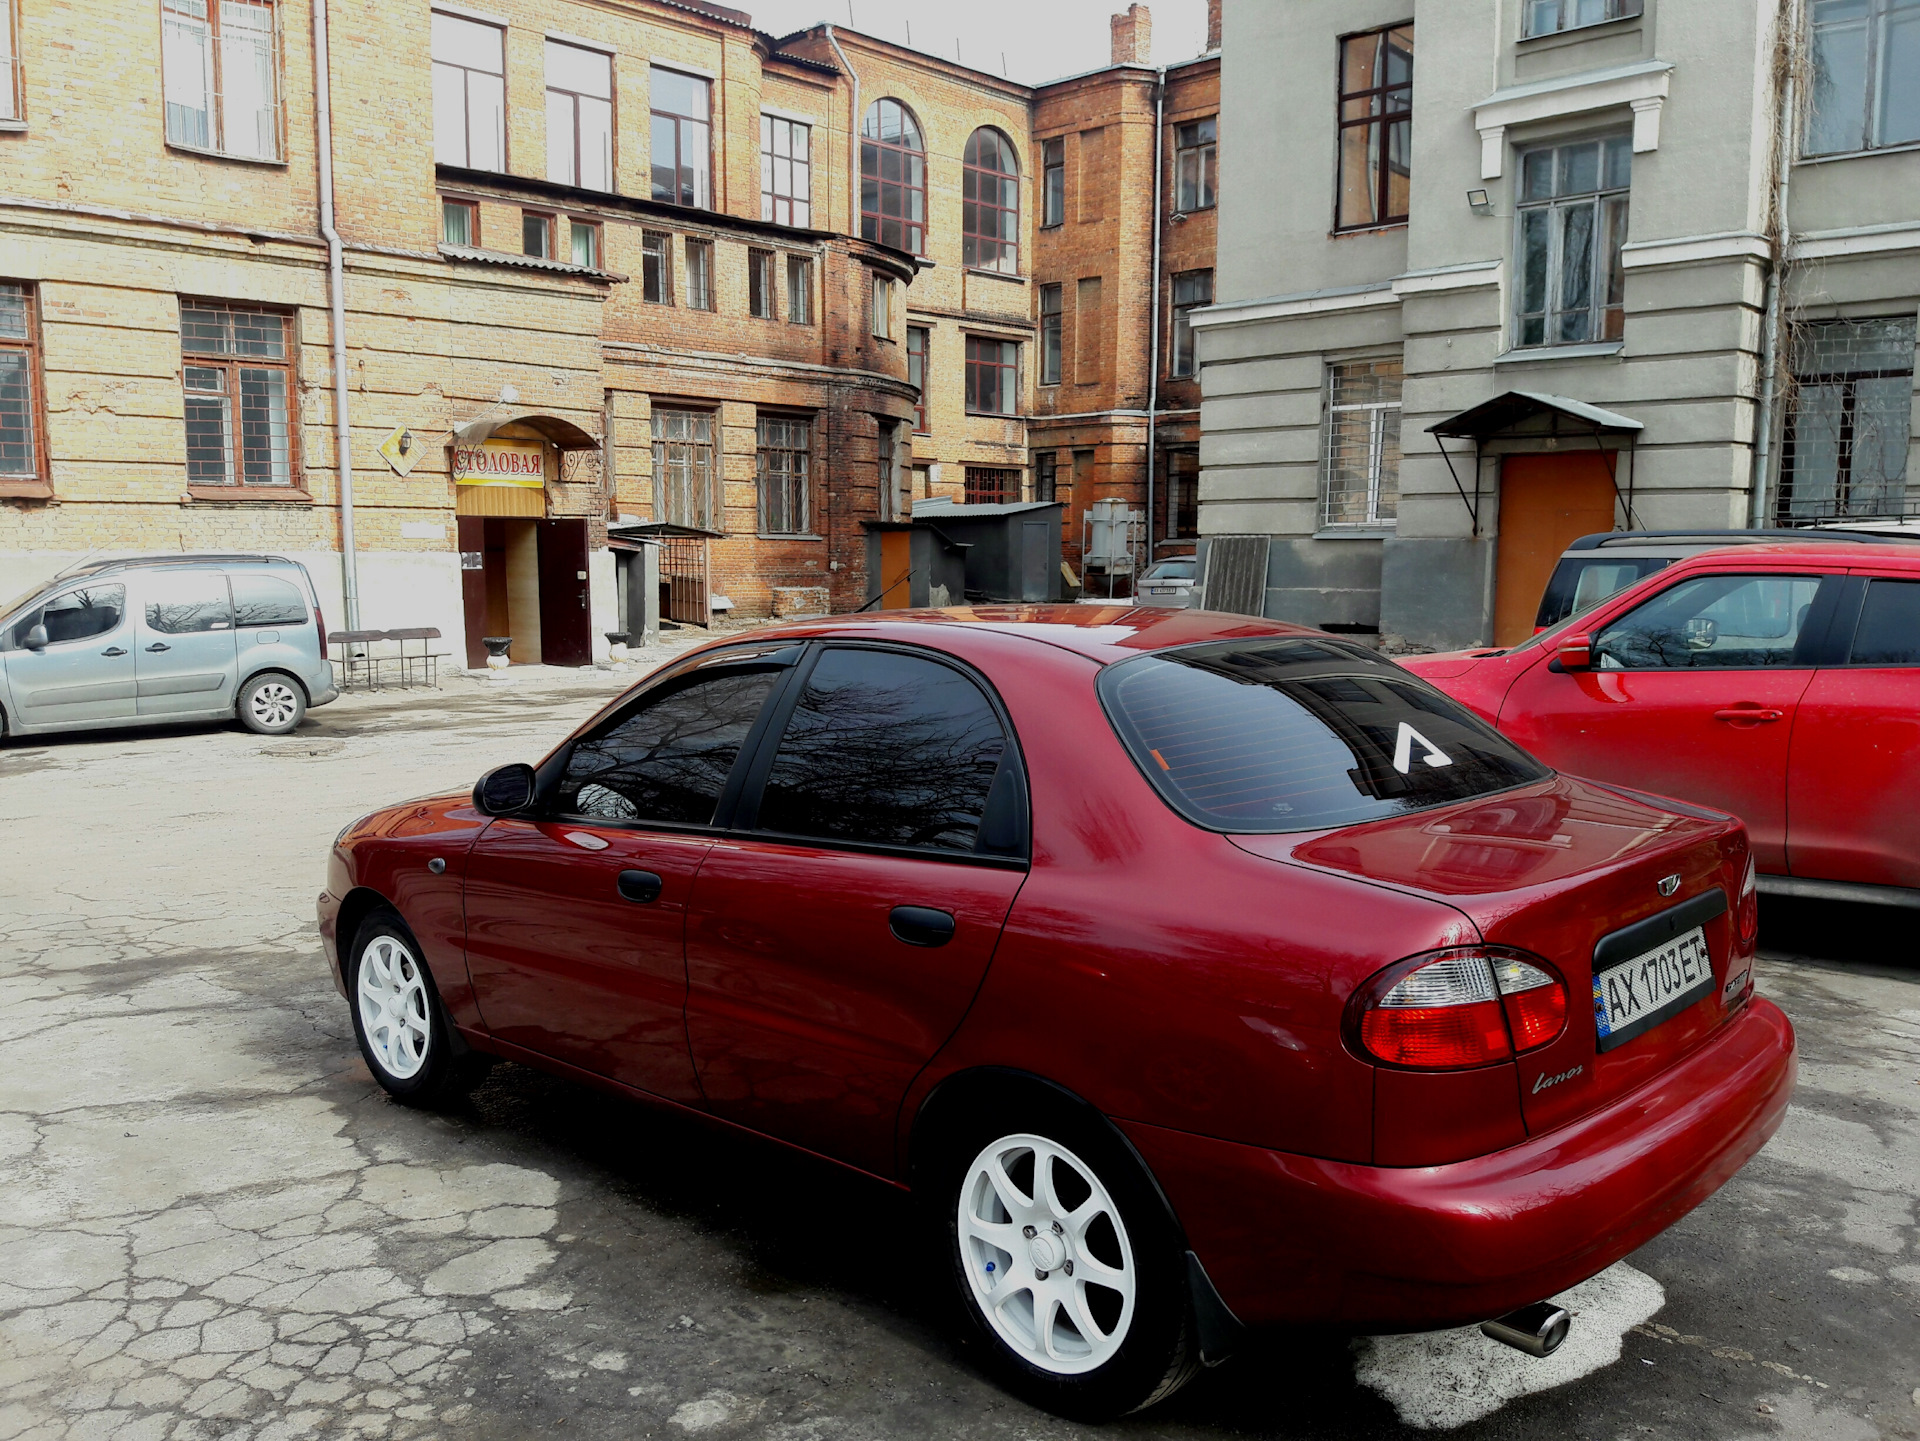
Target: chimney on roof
(1132, 36)
(1213, 25)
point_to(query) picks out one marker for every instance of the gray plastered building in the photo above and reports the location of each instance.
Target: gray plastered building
(1646, 130)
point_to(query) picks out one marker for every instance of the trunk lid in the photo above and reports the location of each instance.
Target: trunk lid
(1556, 869)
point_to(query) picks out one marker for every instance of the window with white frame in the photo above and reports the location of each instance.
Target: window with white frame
(1866, 75)
(10, 104)
(1545, 17)
(1363, 441)
(219, 62)
(1572, 216)
(469, 93)
(579, 116)
(786, 171)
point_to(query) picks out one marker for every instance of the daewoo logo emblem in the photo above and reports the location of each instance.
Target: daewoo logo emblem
(1669, 884)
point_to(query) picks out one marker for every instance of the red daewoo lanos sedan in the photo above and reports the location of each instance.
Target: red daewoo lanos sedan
(1197, 972)
(1777, 682)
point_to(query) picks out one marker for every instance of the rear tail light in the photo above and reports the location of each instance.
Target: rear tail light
(1458, 1009)
(1749, 908)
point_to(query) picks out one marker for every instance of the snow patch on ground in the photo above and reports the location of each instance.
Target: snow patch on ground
(1447, 1378)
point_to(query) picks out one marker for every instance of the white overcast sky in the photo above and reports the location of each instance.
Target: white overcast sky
(1040, 39)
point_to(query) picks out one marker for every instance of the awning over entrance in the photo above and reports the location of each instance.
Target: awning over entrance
(563, 433)
(1505, 413)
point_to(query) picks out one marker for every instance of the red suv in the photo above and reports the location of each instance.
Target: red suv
(1193, 971)
(1780, 683)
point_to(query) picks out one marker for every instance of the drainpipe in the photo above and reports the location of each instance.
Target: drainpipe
(1153, 305)
(337, 298)
(853, 139)
(1758, 503)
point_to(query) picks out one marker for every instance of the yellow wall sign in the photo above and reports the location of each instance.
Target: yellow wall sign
(501, 462)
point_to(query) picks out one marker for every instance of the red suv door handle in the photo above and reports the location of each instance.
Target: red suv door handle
(1752, 714)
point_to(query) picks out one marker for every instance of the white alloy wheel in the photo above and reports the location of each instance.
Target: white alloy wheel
(1046, 1254)
(272, 705)
(394, 1009)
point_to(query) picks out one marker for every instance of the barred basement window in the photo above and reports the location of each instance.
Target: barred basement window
(1851, 422)
(683, 468)
(237, 374)
(992, 485)
(469, 93)
(786, 171)
(1363, 441)
(21, 451)
(783, 446)
(220, 66)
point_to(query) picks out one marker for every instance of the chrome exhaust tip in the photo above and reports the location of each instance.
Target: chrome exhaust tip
(1537, 1330)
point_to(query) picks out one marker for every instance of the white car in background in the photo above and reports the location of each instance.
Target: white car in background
(1167, 583)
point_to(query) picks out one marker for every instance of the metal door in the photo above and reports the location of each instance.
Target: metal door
(85, 671)
(1033, 560)
(566, 616)
(183, 642)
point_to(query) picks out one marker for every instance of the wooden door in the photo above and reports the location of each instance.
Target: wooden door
(896, 563)
(1546, 503)
(566, 615)
(473, 586)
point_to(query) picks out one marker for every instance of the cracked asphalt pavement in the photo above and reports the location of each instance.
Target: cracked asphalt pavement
(214, 1225)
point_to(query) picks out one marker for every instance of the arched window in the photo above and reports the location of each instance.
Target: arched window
(893, 178)
(990, 213)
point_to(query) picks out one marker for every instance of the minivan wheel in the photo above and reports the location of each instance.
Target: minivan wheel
(271, 705)
(1068, 1268)
(405, 1037)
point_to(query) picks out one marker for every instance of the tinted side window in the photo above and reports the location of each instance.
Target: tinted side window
(1889, 629)
(885, 749)
(187, 602)
(1716, 622)
(76, 615)
(668, 759)
(263, 600)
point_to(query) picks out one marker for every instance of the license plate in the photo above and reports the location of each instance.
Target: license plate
(1637, 995)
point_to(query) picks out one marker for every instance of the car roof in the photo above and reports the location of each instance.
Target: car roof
(1782, 554)
(149, 562)
(1104, 633)
(1679, 542)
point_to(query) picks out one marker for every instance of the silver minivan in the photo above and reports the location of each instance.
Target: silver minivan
(149, 640)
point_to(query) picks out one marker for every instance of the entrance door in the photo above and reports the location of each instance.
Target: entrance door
(896, 565)
(473, 586)
(566, 614)
(1546, 503)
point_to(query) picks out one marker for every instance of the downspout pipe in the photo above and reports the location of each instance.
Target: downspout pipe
(1153, 304)
(1759, 498)
(853, 138)
(337, 299)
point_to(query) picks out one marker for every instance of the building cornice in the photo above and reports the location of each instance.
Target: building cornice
(1374, 296)
(1857, 240)
(1693, 249)
(1641, 87)
(1472, 275)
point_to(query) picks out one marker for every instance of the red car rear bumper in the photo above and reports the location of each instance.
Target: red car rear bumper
(1294, 1239)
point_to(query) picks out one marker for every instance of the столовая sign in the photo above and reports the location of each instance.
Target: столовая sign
(501, 462)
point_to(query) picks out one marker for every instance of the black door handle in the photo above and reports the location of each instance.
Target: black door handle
(641, 886)
(920, 925)
(159, 645)
(113, 650)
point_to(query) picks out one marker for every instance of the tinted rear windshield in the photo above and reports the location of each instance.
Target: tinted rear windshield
(1300, 734)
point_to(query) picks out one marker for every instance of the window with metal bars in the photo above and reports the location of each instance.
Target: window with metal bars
(760, 284)
(1866, 75)
(1544, 17)
(469, 93)
(1183, 495)
(237, 373)
(700, 275)
(1363, 441)
(1193, 165)
(893, 178)
(1046, 474)
(990, 203)
(992, 485)
(918, 338)
(22, 452)
(1850, 424)
(656, 267)
(1376, 128)
(1572, 216)
(784, 446)
(786, 171)
(1191, 290)
(799, 290)
(682, 138)
(219, 62)
(683, 469)
(993, 368)
(579, 116)
(11, 107)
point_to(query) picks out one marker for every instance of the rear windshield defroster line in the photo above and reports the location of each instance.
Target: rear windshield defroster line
(1300, 733)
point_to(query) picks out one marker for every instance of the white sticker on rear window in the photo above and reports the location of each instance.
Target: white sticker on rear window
(1429, 752)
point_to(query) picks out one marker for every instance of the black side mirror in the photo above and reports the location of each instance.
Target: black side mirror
(505, 791)
(35, 639)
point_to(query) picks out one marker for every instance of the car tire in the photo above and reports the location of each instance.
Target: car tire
(271, 704)
(405, 1035)
(1028, 1196)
